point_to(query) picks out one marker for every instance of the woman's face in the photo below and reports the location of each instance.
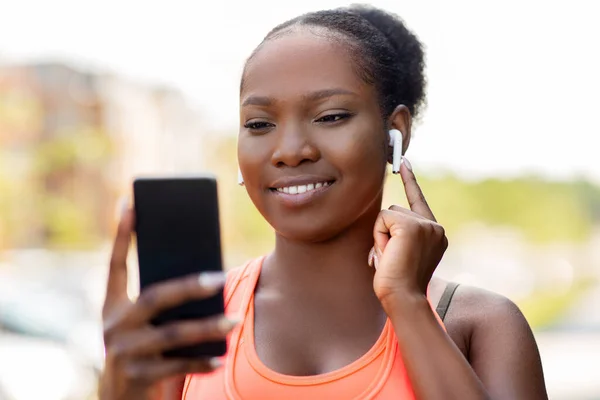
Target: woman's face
(312, 143)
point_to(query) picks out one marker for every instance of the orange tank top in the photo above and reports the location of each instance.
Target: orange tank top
(379, 374)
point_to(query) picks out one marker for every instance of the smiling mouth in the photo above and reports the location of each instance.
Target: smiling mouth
(301, 189)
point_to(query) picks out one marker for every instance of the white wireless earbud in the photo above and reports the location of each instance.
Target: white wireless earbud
(396, 143)
(240, 178)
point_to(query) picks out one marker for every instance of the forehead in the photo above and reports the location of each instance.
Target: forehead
(302, 61)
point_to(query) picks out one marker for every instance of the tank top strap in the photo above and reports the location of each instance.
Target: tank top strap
(437, 316)
(237, 293)
(240, 287)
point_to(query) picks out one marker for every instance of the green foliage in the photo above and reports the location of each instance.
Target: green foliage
(17, 199)
(67, 223)
(20, 110)
(73, 148)
(543, 308)
(52, 199)
(543, 211)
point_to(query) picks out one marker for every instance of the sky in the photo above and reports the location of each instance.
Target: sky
(513, 85)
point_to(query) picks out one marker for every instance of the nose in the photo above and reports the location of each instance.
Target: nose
(293, 147)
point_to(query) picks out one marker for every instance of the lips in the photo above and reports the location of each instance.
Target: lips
(300, 190)
(300, 180)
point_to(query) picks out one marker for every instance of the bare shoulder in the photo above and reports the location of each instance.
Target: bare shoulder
(495, 337)
(477, 313)
(472, 307)
(479, 308)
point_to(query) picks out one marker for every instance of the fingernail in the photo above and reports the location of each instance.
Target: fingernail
(407, 163)
(226, 324)
(212, 280)
(215, 363)
(370, 259)
(377, 256)
(122, 206)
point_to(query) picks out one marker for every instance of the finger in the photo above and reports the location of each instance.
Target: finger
(156, 340)
(116, 288)
(381, 232)
(414, 195)
(172, 293)
(407, 212)
(388, 226)
(154, 370)
(389, 230)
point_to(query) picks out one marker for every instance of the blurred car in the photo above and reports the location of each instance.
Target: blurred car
(570, 349)
(49, 335)
(34, 368)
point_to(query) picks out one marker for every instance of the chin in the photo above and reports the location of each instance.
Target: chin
(318, 227)
(308, 233)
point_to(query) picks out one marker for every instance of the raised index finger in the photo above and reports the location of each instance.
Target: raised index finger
(414, 194)
(116, 288)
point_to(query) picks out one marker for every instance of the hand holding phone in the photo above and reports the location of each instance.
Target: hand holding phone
(134, 368)
(179, 310)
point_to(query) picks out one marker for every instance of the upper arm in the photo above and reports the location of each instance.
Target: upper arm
(502, 348)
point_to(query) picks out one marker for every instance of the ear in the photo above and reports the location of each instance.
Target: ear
(401, 120)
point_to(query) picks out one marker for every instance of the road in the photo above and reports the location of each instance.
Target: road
(570, 351)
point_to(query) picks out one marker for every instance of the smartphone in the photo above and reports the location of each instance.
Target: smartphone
(178, 234)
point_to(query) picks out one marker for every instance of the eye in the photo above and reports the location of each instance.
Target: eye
(258, 125)
(332, 118)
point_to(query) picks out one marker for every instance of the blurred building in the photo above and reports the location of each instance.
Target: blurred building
(155, 130)
(70, 143)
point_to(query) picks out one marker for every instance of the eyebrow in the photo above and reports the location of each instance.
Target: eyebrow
(314, 96)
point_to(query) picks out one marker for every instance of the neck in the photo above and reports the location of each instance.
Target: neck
(340, 262)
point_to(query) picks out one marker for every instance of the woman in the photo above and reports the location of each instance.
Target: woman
(343, 308)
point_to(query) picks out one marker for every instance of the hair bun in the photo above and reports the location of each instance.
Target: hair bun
(406, 45)
(387, 23)
(386, 54)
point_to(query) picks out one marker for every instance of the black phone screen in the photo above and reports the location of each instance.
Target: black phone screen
(178, 234)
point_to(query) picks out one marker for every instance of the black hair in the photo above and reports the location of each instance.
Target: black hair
(385, 52)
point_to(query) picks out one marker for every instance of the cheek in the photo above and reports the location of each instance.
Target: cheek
(360, 154)
(362, 163)
(253, 155)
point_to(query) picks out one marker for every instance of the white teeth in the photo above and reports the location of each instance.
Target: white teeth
(302, 188)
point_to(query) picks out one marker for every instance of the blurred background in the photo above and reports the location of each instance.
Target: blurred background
(94, 93)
